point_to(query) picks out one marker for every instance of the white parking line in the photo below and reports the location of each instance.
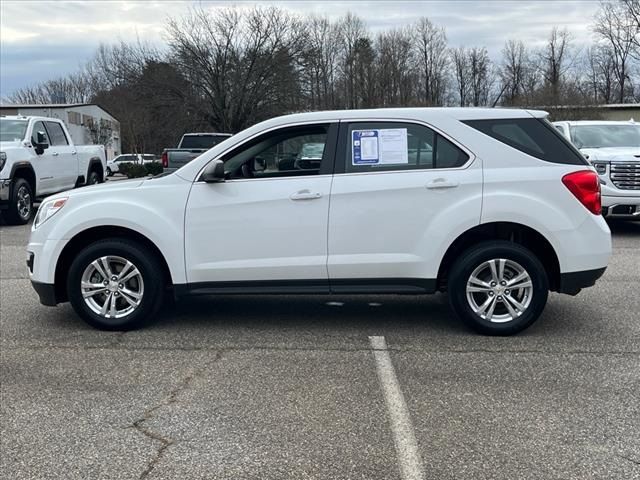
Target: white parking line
(411, 467)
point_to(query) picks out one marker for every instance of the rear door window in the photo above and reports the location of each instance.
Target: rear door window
(56, 134)
(533, 136)
(384, 146)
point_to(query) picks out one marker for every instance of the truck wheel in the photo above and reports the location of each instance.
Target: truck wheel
(498, 288)
(20, 204)
(115, 284)
(93, 178)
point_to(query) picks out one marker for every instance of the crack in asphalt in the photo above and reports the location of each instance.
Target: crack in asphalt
(171, 399)
(624, 457)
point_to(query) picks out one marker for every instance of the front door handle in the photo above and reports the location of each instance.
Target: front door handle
(54, 154)
(305, 195)
(441, 183)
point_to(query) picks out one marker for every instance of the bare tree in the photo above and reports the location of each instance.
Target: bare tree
(395, 67)
(74, 88)
(320, 63)
(513, 72)
(352, 29)
(462, 74)
(433, 61)
(620, 32)
(555, 62)
(243, 64)
(480, 73)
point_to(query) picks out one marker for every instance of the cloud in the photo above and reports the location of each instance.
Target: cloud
(42, 39)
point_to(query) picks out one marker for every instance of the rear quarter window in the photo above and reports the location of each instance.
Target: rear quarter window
(533, 136)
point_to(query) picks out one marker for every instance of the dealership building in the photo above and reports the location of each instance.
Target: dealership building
(88, 123)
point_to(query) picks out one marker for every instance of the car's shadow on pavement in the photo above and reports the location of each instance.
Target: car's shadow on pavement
(305, 311)
(624, 226)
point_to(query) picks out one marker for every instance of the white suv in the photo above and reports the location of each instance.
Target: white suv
(493, 206)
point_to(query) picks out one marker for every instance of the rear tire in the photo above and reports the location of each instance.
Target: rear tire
(20, 208)
(498, 288)
(134, 285)
(93, 178)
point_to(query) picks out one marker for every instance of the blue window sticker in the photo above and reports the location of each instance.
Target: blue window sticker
(364, 145)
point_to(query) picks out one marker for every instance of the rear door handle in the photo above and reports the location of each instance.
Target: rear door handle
(305, 195)
(441, 183)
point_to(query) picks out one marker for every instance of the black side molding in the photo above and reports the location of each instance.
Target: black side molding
(410, 286)
(571, 283)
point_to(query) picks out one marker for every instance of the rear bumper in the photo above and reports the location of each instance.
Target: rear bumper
(571, 283)
(46, 292)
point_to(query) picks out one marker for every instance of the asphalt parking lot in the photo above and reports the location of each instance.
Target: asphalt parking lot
(290, 387)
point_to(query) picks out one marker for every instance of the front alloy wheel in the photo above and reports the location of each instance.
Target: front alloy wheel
(116, 284)
(112, 287)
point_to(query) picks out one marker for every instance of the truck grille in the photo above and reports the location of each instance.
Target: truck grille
(626, 176)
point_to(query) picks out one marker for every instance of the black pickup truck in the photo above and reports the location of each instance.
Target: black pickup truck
(191, 145)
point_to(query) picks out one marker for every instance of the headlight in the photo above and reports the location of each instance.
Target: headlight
(3, 160)
(48, 209)
(601, 167)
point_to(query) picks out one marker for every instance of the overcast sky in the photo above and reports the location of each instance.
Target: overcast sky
(45, 39)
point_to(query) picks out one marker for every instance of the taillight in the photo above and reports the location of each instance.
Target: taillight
(165, 159)
(585, 185)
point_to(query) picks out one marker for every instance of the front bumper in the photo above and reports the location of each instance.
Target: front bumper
(5, 193)
(621, 207)
(46, 292)
(571, 283)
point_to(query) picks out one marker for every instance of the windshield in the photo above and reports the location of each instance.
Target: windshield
(604, 136)
(12, 130)
(312, 150)
(201, 141)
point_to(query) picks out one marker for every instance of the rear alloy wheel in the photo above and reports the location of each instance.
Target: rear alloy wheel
(115, 284)
(498, 288)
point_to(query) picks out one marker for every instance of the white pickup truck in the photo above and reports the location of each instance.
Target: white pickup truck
(38, 158)
(613, 148)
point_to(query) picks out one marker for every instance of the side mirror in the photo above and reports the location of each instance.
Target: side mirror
(214, 173)
(41, 143)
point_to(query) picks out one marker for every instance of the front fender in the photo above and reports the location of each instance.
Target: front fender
(155, 211)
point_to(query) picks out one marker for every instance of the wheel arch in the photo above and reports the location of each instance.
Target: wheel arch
(95, 164)
(25, 170)
(91, 235)
(509, 231)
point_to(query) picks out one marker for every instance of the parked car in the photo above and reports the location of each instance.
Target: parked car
(38, 158)
(613, 148)
(498, 211)
(113, 166)
(191, 146)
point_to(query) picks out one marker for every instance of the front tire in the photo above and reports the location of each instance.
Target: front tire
(115, 284)
(20, 208)
(498, 288)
